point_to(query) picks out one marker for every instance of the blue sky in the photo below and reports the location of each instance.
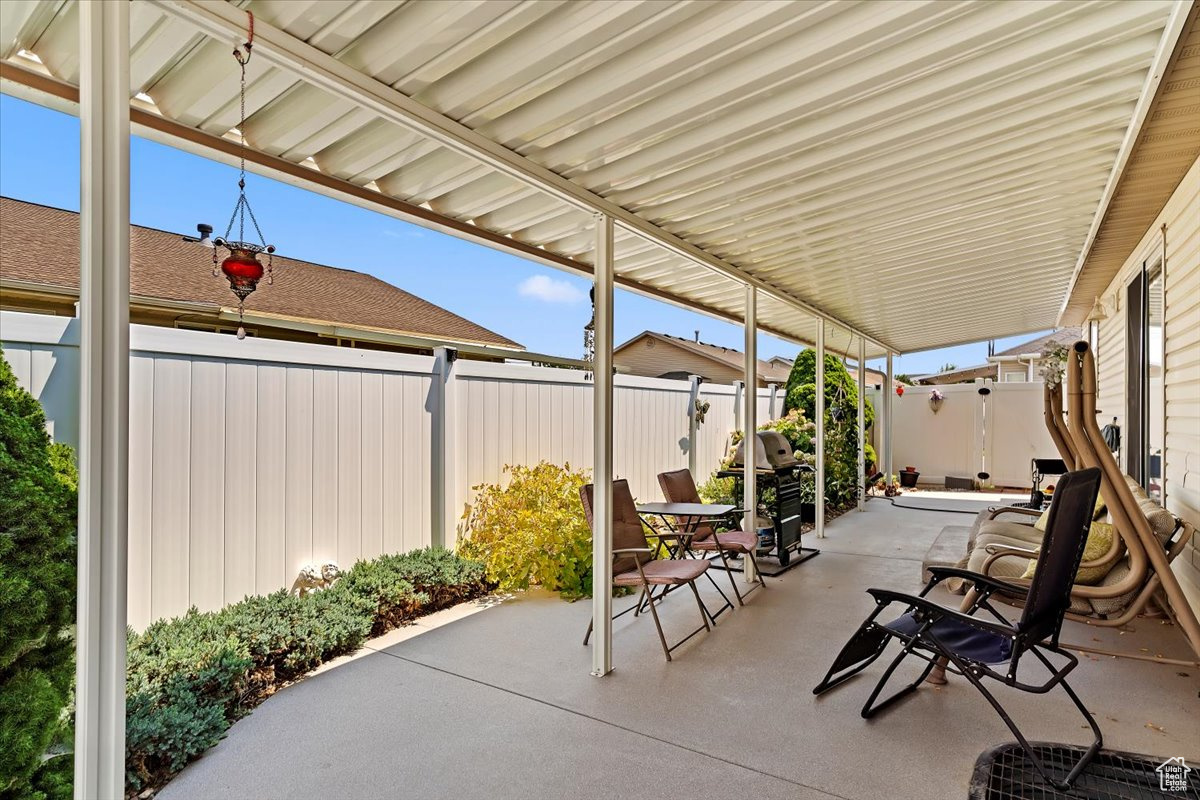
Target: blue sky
(541, 307)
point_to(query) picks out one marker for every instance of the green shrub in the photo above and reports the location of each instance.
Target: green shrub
(720, 491)
(841, 421)
(191, 677)
(184, 680)
(532, 531)
(37, 594)
(397, 586)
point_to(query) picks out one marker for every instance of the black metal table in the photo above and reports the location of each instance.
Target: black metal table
(681, 521)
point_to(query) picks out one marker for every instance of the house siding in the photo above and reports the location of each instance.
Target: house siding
(637, 358)
(1181, 369)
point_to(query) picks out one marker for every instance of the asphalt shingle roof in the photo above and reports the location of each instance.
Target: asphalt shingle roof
(41, 245)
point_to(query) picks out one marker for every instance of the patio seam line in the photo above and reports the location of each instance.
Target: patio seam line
(633, 731)
(872, 555)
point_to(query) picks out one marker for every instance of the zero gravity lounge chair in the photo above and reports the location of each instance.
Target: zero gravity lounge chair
(993, 649)
(634, 564)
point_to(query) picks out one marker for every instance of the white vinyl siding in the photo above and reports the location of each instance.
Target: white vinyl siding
(1181, 215)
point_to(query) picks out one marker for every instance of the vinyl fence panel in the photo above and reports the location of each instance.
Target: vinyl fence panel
(249, 459)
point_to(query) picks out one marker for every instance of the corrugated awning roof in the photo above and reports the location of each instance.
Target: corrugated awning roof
(924, 172)
(1167, 145)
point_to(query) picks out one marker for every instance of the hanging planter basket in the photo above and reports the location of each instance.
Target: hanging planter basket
(936, 399)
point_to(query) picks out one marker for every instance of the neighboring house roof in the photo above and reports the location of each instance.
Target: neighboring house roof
(769, 371)
(1062, 336)
(960, 375)
(41, 246)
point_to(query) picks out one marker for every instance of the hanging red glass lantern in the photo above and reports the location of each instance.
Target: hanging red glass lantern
(241, 267)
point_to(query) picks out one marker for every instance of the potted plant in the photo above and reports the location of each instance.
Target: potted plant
(891, 488)
(908, 478)
(936, 398)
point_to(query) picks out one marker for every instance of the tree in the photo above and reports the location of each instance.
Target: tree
(841, 420)
(37, 596)
(948, 367)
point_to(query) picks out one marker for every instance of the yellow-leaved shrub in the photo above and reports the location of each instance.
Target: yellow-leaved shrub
(531, 531)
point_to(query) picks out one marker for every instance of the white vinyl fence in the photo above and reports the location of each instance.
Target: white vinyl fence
(250, 458)
(998, 433)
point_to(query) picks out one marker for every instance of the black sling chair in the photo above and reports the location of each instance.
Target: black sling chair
(971, 645)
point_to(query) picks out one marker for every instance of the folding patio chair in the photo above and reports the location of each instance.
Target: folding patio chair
(679, 486)
(634, 564)
(971, 645)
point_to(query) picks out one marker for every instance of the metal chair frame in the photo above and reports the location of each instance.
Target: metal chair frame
(1037, 634)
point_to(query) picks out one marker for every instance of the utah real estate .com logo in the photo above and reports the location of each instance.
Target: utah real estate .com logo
(1173, 775)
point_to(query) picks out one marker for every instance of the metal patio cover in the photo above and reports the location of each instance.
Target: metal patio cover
(924, 172)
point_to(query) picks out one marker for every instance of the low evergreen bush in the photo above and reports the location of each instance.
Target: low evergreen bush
(191, 677)
(397, 586)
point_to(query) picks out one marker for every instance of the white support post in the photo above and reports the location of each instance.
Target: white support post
(820, 443)
(750, 414)
(442, 449)
(889, 391)
(862, 424)
(739, 418)
(693, 427)
(103, 400)
(602, 433)
(772, 404)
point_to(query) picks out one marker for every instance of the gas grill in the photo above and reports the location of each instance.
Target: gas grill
(778, 487)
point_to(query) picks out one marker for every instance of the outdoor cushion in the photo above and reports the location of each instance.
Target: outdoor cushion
(1005, 566)
(1100, 538)
(1098, 514)
(1110, 606)
(960, 638)
(1162, 522)
(990, 515)
(663, 573)
(736, 541)
(1010, 530)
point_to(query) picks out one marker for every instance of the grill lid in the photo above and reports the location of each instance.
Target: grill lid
(771, 451)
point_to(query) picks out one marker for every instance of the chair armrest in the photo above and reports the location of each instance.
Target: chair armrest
(623, 550)
(1007, 550)
(996, 552)
(1028, 512)
(885, 596)
(1011, 589)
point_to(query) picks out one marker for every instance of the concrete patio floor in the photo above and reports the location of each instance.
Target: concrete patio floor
(499, 704)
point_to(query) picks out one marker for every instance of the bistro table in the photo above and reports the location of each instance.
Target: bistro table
(681, 521)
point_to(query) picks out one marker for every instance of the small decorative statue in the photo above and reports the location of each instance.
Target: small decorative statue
(315, 578)
(701, 408)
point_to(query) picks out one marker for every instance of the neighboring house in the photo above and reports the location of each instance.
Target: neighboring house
(1019, 363)
(659, 355)
(959, 375)
(172, 285)
(1023, 362)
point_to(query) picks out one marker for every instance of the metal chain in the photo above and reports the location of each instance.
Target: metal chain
(242, 204)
